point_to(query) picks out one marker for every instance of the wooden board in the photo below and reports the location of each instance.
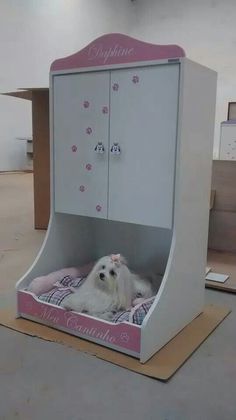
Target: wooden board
(41, 153)
(25, 94)
(223, 182)
(161, 366)
(222, 226)
(222, 231)
(223, 263)
(40, 118)
(212, 199)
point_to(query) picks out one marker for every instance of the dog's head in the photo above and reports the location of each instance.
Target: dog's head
(112, 275)
(107, 271)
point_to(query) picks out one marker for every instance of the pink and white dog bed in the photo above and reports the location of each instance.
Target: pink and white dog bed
(55, 287)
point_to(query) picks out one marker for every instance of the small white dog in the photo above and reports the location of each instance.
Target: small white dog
(109, 287)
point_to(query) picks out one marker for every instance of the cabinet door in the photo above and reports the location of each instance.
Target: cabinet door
(143, 121)
(81, 115)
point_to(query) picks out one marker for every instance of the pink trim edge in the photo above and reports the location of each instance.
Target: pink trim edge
(123, 335)
(116, 49)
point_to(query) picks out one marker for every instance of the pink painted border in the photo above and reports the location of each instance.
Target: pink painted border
(116, 49)
(124, 336)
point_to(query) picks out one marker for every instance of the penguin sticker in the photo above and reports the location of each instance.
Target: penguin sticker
(99, 148)
(115, 149)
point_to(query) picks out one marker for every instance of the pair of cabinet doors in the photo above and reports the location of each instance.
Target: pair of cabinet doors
(115, 142)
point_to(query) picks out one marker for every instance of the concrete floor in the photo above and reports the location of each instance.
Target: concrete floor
(42, 380)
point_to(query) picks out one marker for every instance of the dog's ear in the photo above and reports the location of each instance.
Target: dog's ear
(123, 260)
(124, 288)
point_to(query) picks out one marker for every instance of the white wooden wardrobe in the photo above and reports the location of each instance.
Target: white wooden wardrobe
(131, 149)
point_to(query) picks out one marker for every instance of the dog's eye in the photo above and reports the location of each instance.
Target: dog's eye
(112, 273)
(103, 267)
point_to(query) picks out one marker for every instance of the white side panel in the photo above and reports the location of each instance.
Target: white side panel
(145, 248)
(68, 243)
(228, 142)
(81, 115)
(181, 295)
(144, 103)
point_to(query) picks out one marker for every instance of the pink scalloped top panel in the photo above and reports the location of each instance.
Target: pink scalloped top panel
(116, 49)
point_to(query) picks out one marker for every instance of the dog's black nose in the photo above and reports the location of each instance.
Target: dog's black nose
(102, 276)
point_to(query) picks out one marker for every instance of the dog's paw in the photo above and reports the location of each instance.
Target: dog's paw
(67, 305)
(107, 316)
(137, 301)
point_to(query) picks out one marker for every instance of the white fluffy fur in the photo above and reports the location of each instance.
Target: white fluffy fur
(109, 287)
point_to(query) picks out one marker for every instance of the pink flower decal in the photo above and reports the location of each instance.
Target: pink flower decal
(105, 110)
(115, 86)
(86, 104)
(89, 130)
(74, 148)
(98, 208)
(88, 167)
(135, 79)
(82, 188)
(124, 337)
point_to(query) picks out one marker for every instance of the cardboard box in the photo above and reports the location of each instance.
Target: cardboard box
(222, 263)
(222, 226)
(41, 151)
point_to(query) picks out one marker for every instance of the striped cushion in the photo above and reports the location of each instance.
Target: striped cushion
(67, 285)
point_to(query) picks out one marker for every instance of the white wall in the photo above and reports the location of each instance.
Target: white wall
(35, 32)
(32, 34)
(205, 29)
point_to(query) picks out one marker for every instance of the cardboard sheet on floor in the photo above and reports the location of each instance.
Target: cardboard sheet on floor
(161, 366)
(223, 263)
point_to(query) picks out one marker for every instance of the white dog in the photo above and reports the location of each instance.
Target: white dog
(109, 287)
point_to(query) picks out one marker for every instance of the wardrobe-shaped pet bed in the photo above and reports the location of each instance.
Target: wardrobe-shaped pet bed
(131, 149)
